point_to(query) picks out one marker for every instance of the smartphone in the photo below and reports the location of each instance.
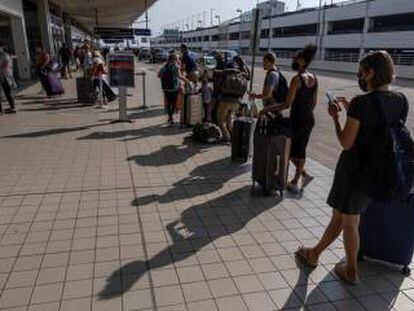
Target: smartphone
(331, 97)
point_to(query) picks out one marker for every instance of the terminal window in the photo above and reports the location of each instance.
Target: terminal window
(398, 22)
(346, 26)
(234, 36)
(295, 31)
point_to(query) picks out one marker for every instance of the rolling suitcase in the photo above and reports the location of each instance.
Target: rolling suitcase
(387, 233)
(84, 90)
(242, 139)
(192, 112)
(53, 85)
(271, 157)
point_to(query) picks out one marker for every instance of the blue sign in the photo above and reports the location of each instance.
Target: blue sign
(142, 32)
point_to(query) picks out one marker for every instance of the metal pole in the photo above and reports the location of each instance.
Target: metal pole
(123, 104)
(254, 46)
(144, 91)
(211, 17)
(270, 23)
(146, 14)
(240, 30)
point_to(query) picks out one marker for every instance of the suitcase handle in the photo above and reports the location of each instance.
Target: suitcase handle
(277, 165)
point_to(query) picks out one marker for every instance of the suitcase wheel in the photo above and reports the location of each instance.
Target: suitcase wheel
(406, 271)
(266, 192)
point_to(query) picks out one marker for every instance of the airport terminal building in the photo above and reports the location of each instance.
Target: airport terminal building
(24, 24)
(342, 31)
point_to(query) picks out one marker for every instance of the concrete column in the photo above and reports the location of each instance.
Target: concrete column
(68, 29)
(367, 25)
(21, 47)
(44, 25)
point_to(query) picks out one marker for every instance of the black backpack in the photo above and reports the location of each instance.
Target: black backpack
(389, 171)
(280, 95)
(169, 79)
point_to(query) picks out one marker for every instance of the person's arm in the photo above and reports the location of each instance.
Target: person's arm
(294, 86)
(346, 135)
(267, 91)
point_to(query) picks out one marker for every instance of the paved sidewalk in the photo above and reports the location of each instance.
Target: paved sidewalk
(102, 216)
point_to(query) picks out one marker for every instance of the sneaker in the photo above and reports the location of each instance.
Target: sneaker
(293, 188)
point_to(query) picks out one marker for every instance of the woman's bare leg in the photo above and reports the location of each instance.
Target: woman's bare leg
(351, 244)
(331, 233)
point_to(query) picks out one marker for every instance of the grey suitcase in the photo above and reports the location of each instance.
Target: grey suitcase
(242, 139)
(192, 110)
(271, 162)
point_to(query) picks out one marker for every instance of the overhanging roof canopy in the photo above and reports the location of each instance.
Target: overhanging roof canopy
(104, 13)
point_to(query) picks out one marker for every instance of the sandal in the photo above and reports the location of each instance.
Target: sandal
(303, 254)
(341, 273)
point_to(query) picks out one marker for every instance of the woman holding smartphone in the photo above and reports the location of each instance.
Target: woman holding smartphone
(358, 138)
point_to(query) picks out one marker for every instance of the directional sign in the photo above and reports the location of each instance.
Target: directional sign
(121, 70)
(142, 32)
(121, 33)
(115, 33)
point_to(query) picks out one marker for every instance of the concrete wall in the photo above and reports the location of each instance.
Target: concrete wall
(402, 72)
(14, 9)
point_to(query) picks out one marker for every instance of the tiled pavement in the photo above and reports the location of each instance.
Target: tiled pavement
(101, 216)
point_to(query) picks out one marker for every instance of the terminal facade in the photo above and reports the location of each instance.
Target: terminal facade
(24, 24)
(343, 31)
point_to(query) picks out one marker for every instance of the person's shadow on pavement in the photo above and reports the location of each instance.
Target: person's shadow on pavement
(233, 211)
(202, 180)
(171, 154)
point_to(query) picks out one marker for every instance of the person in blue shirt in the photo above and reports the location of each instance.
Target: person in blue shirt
(188, 65)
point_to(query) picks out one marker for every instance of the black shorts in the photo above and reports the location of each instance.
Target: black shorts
(299, 144)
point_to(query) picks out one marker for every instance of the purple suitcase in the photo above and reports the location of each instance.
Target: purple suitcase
(53, 85)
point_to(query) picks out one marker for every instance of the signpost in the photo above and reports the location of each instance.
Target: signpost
(122, 75)
(255, 37)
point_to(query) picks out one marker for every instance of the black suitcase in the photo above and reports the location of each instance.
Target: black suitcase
(84, 90)
(387, 233)
(242, 139)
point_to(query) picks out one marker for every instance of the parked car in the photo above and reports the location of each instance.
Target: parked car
(205, 66)
(227, 54)
(144, 54)
(159, 55)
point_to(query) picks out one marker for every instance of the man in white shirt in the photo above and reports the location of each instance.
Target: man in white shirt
(6, 78)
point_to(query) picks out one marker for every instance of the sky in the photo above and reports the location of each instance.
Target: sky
(164, 13)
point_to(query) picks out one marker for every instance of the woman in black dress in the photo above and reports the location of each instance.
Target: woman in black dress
(357, 136)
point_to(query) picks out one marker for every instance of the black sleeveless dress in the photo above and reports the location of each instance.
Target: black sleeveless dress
(302, 119)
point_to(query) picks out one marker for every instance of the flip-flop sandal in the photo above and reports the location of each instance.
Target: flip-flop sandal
(307, 181)
(303, 254)
(340, 272)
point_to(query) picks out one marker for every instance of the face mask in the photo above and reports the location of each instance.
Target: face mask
(295, 65)
(363, 85)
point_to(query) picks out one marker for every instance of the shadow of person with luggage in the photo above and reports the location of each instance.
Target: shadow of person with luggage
(134, 134)
(202, 180)
(231, 212)
(171, 154)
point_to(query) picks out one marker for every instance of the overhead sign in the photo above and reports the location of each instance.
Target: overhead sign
(121, 33)
(121, 70)
(142, 32)
(115, 33)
